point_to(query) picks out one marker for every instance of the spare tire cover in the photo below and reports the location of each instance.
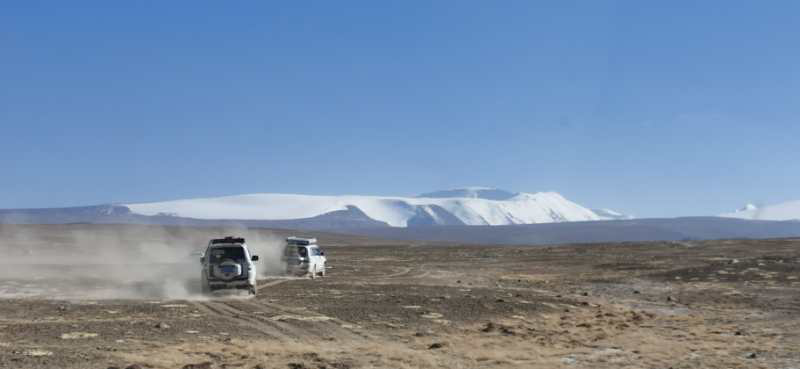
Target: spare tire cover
(228, 270)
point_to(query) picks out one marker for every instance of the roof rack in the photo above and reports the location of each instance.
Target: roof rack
(229, 239)
(300, 241)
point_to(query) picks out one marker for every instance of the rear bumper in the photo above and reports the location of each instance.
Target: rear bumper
(220, 285)
(299, 269)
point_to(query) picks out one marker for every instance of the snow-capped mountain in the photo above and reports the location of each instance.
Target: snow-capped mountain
(783, 211)
(611, 214)
(468, 206)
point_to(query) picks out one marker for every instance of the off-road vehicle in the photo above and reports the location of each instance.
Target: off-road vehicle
(228, 264)
(304, 257)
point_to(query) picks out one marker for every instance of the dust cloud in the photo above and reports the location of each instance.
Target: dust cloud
(117, 261)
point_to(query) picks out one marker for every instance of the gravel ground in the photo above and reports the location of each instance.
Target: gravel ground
(715, 304)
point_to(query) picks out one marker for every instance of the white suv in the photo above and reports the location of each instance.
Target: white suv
(304, 257)
(228, 264)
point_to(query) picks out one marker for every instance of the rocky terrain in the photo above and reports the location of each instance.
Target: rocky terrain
(710, 304)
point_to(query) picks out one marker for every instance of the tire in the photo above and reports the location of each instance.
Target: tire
(204, 290)
(253, 291)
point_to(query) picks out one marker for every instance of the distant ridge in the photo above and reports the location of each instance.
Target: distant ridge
(789, 210)
(683, 230)
(466, 206)
(353, 221)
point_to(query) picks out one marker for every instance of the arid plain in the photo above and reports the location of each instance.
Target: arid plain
(67, 303)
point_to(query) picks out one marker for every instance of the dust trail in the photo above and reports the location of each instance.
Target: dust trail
(269, 247)
(116, 261)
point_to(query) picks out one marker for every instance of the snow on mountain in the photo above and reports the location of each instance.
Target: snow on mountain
(437, 208)
(487, 193)
(611, 214)
(783, 211)
(747, 207)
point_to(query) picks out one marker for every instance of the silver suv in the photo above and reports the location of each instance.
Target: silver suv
(304, 257)
(228, 264)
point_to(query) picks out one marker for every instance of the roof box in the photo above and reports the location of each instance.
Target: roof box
(299, 241)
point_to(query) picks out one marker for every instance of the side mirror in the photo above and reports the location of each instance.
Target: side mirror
(254, 258)
(322, 253)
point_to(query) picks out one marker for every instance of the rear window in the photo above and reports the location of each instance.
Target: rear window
(219, 254)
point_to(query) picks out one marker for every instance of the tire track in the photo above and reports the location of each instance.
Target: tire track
(295, 326)
(403, 271)
(332, 326)
(272, 283)
(218, 310)
(280, 321)
(258, 319)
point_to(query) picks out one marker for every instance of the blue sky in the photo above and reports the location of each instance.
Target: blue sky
(654, 109)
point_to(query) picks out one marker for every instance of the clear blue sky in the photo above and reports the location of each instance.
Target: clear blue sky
(650, 108)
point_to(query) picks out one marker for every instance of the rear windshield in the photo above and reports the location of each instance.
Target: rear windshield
(219, 254)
